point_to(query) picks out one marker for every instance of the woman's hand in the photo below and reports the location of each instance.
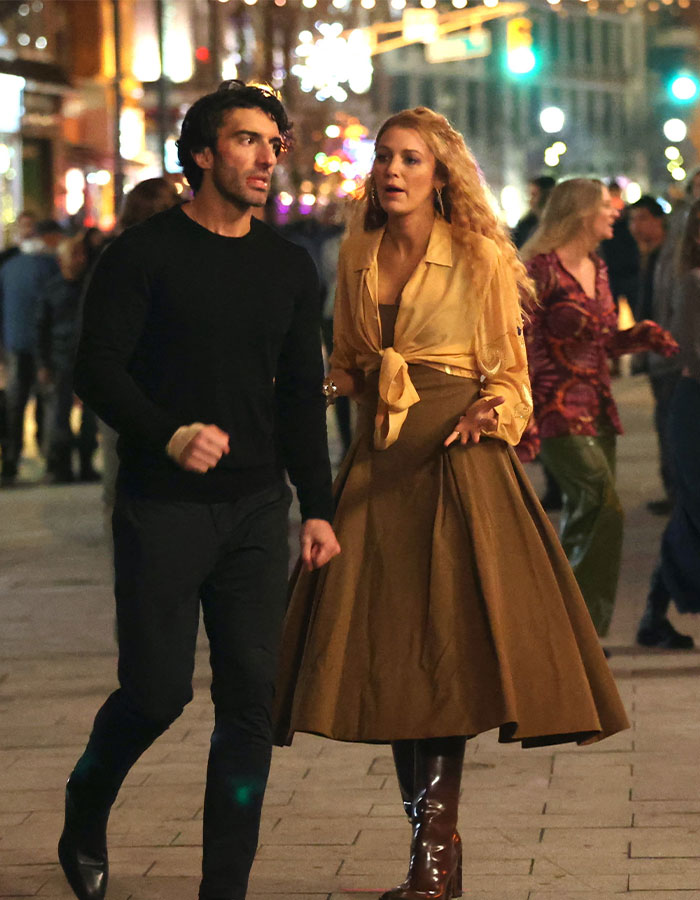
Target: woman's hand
(481, 416)
(350, 383)
(657, 339)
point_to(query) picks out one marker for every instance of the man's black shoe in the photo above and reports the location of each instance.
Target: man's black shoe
(660, 507)
(663, 635)
(82, 850)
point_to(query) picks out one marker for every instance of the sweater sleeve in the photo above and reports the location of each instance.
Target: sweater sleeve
(300, 405)
(115, 312)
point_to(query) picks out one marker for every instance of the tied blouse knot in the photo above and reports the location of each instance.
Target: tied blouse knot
(459, 313)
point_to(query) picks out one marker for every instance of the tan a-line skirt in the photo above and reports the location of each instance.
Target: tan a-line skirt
(452, 609)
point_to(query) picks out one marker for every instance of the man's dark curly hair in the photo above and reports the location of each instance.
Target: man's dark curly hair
(204, 118)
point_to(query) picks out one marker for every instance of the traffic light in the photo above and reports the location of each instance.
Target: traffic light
(520, 57)
(684, 87)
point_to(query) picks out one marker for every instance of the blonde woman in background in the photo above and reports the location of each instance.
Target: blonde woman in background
(452, 609)
(572, 334)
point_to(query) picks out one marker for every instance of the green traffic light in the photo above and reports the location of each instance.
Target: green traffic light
(521, 60)
(684, 87)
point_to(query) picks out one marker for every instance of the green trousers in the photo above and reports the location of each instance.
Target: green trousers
(591, 518)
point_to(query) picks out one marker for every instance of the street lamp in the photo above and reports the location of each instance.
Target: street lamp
(552, 119)
(675, 130)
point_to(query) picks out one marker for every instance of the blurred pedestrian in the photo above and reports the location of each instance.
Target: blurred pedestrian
(22, 278)
(24, 228)
(538, 190)
(658, 300)
(677, 574)
(328, 262)
(451, 610)
(145, 199)
(59, 320)
(572, 333)
(322, 240)
(693, 189)
(201, 347)
(94, 242)
(621, 253)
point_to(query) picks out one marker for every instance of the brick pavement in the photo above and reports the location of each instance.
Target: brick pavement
(583, 823)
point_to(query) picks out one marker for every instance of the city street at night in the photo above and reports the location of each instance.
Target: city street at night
(618, 817)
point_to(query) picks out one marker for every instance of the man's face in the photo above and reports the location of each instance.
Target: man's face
(533, 196)
(247, 146)
(25, 226)
(646, 229)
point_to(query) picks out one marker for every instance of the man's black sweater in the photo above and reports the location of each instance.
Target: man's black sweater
(182, 325)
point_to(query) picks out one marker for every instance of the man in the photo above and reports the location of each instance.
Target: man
(25, 225)
(538, 190)
(620, 252)
(24, 229)
(58, 325)
(22, 278)
(201, 349)
(655, 300)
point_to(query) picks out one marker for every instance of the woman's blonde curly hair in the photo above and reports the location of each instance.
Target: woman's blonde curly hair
(564, 217)
(463, 200)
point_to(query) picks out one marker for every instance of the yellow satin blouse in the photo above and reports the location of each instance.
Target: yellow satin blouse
(459, 313)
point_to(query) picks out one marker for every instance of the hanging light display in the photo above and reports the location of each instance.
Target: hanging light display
(331, 63)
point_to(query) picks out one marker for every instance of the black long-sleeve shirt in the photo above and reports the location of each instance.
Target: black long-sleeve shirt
(183, 325)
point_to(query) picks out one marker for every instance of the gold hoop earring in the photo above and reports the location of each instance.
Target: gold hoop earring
(373, 198)
(438, 200)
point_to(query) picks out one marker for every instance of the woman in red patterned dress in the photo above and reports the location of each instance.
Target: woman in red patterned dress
(570, 337)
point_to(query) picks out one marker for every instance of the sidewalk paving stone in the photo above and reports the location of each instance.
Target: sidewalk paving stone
(617, 818)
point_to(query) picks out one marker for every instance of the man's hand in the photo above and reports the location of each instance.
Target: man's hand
(481, 416)
(318, 543)
(198, 448)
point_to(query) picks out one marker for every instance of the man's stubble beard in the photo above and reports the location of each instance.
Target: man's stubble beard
(237, 198)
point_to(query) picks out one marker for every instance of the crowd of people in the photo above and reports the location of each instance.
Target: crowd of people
(43, 277)
(466, 350)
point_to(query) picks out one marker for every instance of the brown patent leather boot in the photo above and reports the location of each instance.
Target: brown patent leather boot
(405, 764)
(435, 868)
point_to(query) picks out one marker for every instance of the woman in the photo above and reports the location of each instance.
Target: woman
(677, 575)
(572, 333)
(451, 609)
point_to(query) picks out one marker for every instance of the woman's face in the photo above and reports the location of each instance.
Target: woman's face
(404, 173)
(601, 221)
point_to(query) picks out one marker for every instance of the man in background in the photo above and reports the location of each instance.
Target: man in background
(538, 191)
(656, 300)
(22, 278)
